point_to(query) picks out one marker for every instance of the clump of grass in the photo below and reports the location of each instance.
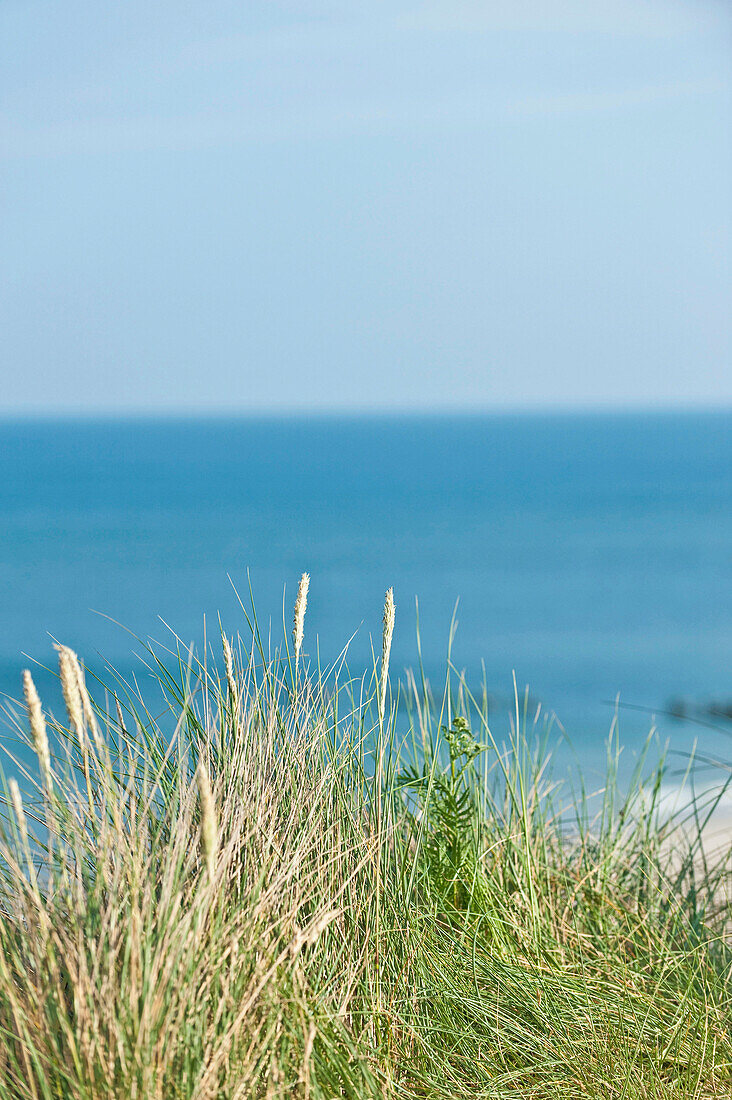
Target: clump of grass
(268, 886)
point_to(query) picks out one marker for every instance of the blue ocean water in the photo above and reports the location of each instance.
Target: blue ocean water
(590, 554)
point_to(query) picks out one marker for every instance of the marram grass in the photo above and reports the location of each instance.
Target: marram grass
(268, 885)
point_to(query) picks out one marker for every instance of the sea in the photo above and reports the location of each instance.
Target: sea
(587, 557)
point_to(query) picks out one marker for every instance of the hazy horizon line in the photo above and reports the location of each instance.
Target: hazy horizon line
(366, 413)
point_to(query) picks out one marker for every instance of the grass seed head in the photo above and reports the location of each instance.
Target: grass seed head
(17, 803)
(86, 704)
(38, 728)
(70, 689)
(388, 633)
(120, 717)
(209, 828)
(301, 604)
(229, 666)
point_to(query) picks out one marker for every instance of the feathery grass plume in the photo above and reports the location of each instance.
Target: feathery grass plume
(38, 728)
(301, 603)
(388, 633)
(120, 718)
(389, 615)
(209, 829)
(39, 912)
(86, 704)
(17, 804)
(229, 666)
(70, 689)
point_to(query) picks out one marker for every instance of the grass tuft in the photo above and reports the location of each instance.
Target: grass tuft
(263, 884)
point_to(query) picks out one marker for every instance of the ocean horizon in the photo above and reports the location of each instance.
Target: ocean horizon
(589, 554)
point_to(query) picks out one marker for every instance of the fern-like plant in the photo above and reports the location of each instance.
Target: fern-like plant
(445, 796)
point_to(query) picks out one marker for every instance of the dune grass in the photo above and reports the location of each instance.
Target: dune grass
(258, 881)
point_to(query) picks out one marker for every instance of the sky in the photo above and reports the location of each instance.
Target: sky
(243, 207)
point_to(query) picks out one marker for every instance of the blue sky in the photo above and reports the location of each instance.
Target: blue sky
(232, 206)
